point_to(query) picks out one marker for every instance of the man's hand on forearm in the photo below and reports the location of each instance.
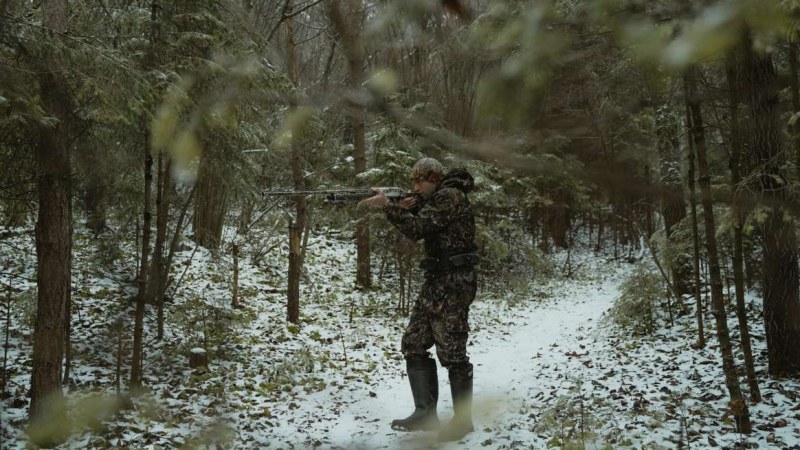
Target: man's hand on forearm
(379, 200)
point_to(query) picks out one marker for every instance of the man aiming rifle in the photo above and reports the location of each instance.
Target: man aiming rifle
(441, 216)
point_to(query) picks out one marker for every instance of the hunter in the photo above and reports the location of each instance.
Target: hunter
(440, 214)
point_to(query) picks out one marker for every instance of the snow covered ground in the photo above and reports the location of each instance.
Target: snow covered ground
(508, 355)
(549, 372)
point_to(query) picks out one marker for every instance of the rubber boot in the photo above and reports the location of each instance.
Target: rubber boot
(461, 389)
(425, 390)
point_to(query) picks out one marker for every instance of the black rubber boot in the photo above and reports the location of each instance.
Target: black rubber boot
(461, 389)
(425, 389)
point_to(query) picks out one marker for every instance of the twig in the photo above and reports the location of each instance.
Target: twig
(344, 349)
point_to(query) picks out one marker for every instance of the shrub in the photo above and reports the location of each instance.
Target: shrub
(634, 309)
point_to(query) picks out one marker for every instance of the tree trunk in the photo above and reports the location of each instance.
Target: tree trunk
(296, 226)
(293, 288)
(673, 206)
(6, 345)
(738, 225)
(349, 34)
(600, 224)
(648, 202)
(210, 206)
(701, 337)
(560, 223)
(245, 216)
(67, 338)
(795, 89)
(615, 232)
(781, 302)
(179, 229)
(118, 373)
(738, 407)
(53, 231)
(159, 270)
(363, 257)
(141, 295)
(144, 270)
(95, 204)
(235, 294)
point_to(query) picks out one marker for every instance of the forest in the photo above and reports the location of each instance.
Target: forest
(163, 285)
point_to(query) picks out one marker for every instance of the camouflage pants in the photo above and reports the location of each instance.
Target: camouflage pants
(440, 317)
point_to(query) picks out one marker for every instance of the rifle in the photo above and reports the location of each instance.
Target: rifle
(342, 196)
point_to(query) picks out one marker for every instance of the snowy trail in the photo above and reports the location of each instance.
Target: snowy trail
(506, 361)
(510, 365)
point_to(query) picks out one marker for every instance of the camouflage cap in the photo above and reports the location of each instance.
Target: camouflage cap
(427, 169)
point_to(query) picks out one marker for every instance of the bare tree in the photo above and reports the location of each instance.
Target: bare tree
(298, 225)
(696, 133)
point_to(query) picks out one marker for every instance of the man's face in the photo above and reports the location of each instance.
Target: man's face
(422, 187)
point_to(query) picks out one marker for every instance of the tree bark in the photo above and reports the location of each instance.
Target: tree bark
(349, 34)
(293, 288)
(701, 337)
(764, 133)
(53, 229)
(600, 225)
(297, 225)
(795, 89)
(144, 267)
(560, 222)
(95, 209)
(159, 269)
(673, 206)
(738, 407)
(67, 337)
(738, 225)
(147, 218)
(210, 206)
(235, 294)
(95, 196)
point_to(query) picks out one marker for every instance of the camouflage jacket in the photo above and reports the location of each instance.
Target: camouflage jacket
(445, 220)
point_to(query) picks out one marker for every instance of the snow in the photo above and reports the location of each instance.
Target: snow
(505, 362)
(547, 361)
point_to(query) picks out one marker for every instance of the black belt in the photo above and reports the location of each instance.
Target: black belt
(451, 262)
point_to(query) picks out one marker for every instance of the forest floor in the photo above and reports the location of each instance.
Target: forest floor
(550, 369)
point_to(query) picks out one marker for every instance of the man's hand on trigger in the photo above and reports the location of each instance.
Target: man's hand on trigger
(408, 202)
(379, 200)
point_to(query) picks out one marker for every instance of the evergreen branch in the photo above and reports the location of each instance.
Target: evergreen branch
(21, 21)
